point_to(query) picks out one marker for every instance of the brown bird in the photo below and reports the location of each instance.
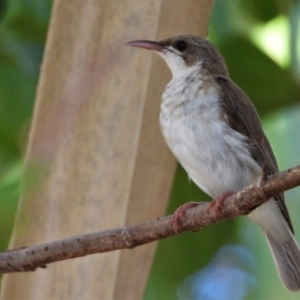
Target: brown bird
(215, 133)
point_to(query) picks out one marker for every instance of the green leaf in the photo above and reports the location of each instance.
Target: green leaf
(263, 11)
(28, 18)
(267, 84)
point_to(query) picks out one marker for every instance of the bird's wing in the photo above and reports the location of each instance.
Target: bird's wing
(241, 116)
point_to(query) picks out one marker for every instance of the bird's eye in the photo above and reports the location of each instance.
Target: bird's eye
(180, 45)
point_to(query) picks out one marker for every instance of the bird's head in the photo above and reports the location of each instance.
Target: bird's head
(184, 53)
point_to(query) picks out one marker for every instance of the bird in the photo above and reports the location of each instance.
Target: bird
(215, 133)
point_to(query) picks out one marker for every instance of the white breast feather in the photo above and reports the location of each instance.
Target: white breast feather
(208, 149)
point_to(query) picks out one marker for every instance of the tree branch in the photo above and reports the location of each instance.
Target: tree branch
(242, 203)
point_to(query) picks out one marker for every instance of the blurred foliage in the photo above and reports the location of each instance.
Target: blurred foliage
(183, 264)
(263, 11)
(259, 75)
(23, 28)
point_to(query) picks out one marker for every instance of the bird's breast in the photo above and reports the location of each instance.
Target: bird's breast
(215, 156)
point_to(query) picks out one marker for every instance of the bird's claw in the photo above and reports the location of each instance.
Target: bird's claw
(218, 203)
(180, 212)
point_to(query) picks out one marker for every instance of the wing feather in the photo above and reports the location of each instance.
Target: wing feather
(241, 116)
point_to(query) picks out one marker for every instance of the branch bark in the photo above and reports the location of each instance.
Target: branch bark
(242, 203)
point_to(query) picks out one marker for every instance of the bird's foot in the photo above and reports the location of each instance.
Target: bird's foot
(180, 212)
(217, 203)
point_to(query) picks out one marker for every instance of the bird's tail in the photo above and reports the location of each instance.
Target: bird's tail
(287, 259)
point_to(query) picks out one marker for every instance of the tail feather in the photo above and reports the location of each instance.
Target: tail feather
(287, 259)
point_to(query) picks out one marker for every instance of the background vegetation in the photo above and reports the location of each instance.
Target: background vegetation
(260, 41)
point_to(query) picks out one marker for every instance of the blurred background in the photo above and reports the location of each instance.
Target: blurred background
(260, 41)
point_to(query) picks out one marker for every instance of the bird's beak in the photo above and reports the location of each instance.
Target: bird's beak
(149, 45)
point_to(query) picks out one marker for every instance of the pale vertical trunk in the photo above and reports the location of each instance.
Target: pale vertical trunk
(96, 158)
